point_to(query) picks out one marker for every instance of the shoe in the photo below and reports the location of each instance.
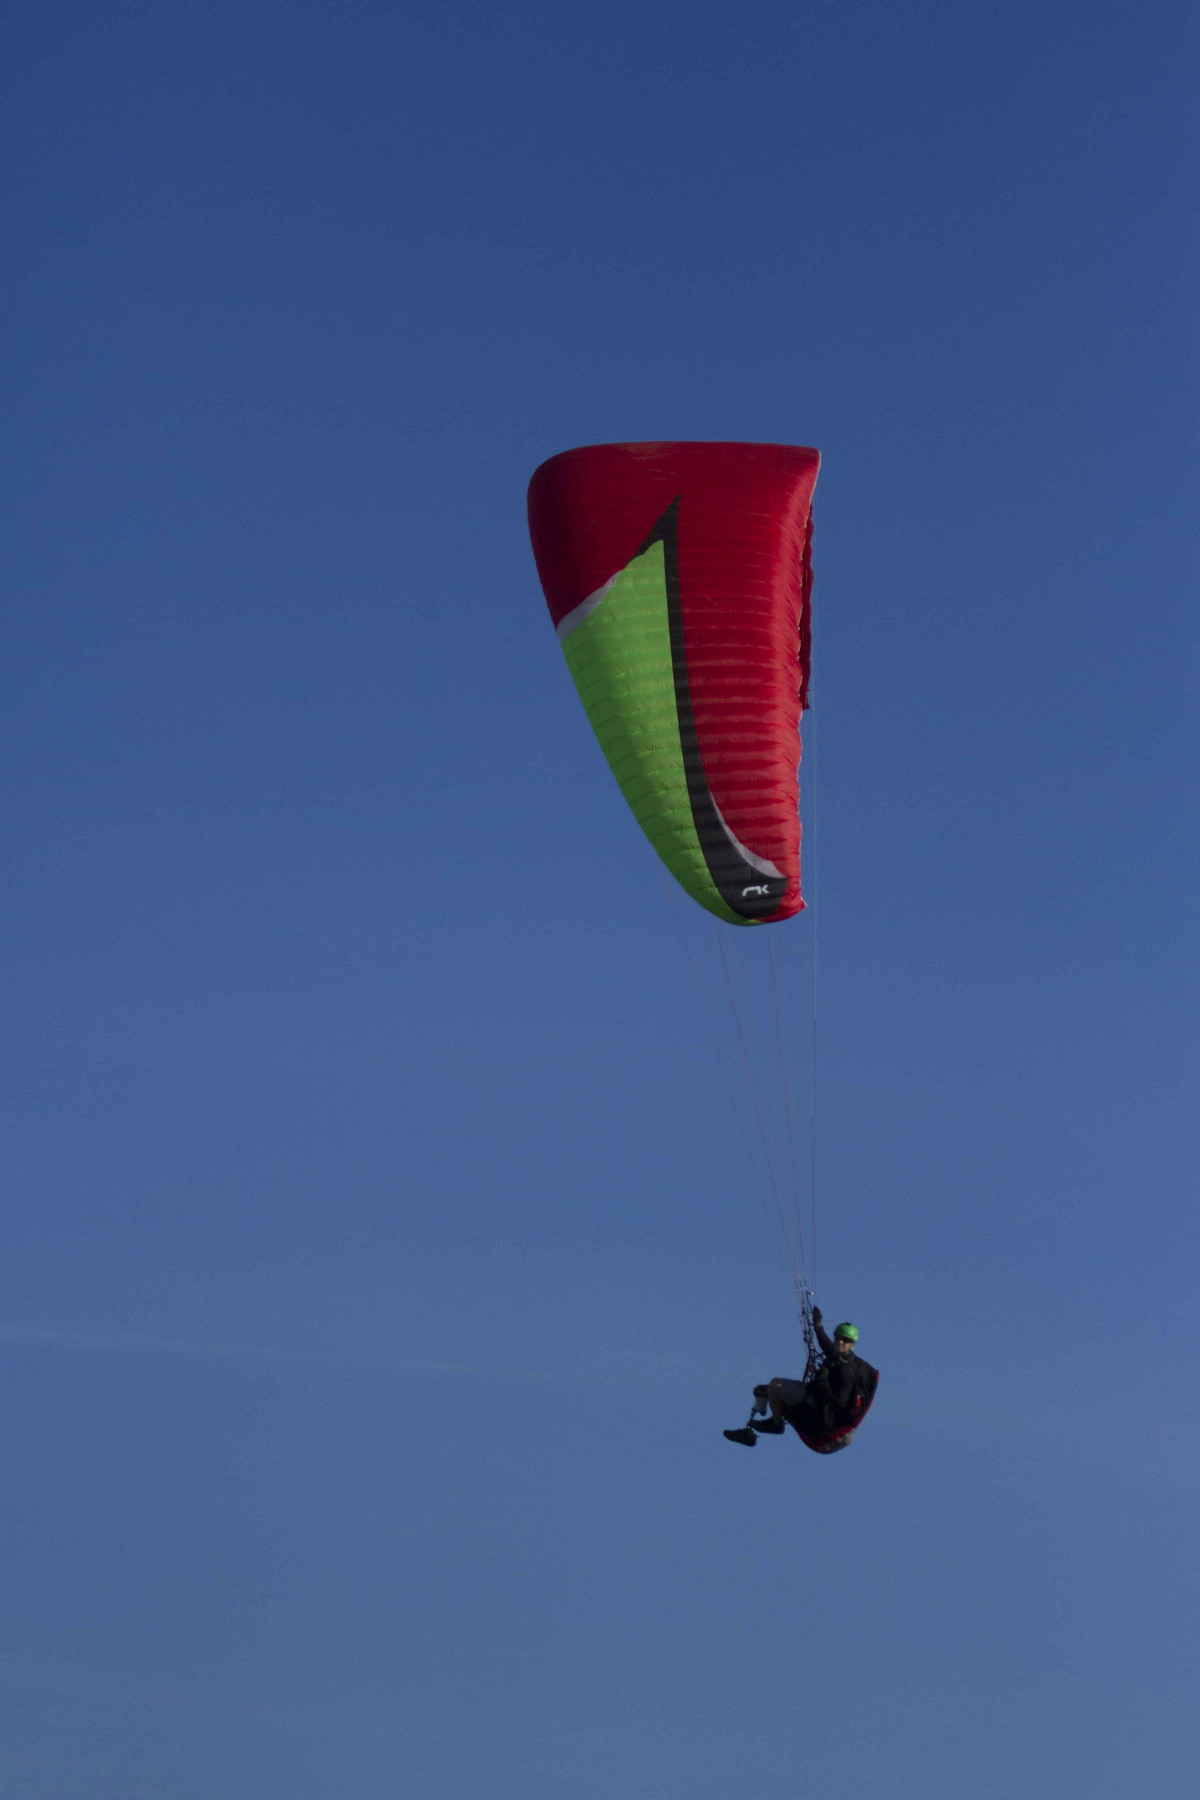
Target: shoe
(770, 1427)
(744, 1436)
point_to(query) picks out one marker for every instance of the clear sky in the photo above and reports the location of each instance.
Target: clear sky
(379, 1267)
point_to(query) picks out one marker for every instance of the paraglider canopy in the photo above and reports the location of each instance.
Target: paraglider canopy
(678, 578)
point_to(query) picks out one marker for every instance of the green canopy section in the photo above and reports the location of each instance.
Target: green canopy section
(618, 649)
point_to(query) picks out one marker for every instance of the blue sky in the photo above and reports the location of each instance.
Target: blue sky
(379, 1266)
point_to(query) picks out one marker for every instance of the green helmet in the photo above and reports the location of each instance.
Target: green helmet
(847, 1331)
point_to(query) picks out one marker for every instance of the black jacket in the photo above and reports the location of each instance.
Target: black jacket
(844, 1381)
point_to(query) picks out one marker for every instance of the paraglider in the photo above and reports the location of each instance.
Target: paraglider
(679, 578)
(827, 1407)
